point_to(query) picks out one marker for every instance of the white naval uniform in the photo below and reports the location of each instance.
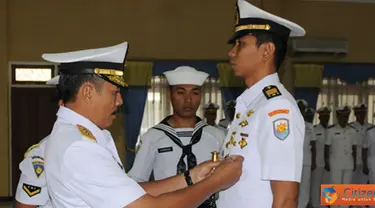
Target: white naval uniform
(32, 186)
(359, 177)
(224, 125)
(369, 143)
(341, 141)
(319, 175)
(304, 187)
(158, 153)
(268, 130)
(83, 168)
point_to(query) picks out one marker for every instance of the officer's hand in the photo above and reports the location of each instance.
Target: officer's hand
(228, 172)
(203, 170)
(365, 170)
(326, 166)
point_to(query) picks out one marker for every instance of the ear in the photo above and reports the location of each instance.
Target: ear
(269, 49)
(87, 90)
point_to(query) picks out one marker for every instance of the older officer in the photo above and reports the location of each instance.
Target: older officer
(32, 189)
(318, 175)
(268, 129)
(361, 125)
(182, 140)
(340, 148)
(82, 164)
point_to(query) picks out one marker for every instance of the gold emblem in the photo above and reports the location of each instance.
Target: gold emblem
(231, 141)
(238, 115)
(242, 143)
(244, 123)
(250, 112)
(85, 132)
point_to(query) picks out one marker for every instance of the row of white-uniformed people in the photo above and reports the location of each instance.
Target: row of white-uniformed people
(338, 153)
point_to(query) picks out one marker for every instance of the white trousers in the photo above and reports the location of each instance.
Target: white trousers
(304, 187)
(318, 177)
(341, 176)
(359, 178)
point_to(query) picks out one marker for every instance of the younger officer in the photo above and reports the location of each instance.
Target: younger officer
(210, 113)
(340, 148)
(361, 125)
(268, 129)
(182, 140)
(82, 164)
(32, 191)
(318, 175)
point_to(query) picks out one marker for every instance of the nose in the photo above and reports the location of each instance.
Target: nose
(232, 52)
(118, 99)
(188, 98)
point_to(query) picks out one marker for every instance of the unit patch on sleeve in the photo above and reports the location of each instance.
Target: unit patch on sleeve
(31, 190)
(271, 92)
(281, 128)
(38, 168)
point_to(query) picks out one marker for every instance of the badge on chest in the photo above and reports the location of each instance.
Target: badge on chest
(165, 149)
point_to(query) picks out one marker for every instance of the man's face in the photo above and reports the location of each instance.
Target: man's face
(324, 118)
(245, 56)
(185, 99)
(210, 115)
(360, 115)
(343, 117)
(105, 103)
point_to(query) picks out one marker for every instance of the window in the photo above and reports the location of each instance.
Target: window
(336, 93)
(158, 105)
(32, 74)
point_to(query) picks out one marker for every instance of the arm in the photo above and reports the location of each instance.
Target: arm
(281, 151)
(354, 149)
(20, 205)
(327, 150)
(313, 149)
(144, 159)
(365, 148)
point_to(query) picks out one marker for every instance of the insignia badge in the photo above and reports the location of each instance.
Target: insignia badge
(231, 141)
(281, 128)
(31, 190)
(244, 135)
(85, 132)
(244, 123)
(238, 115)
(242, 143)
(250, 112)
(38, 168)
(271, 92)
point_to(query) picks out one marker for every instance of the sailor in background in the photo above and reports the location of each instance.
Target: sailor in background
(341, 149)
(309, 152)
(319, 175)
(182, 140)
(229, 112)
(368, 151)
(32, 190)
(361, 125)
(210, 113)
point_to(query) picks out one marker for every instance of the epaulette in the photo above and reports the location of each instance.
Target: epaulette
(271, 91)
(352, 127)
(371, 127)
(333, 125)
(30, 148)
(86, 133)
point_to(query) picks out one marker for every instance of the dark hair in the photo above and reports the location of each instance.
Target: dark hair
(69, 84)
(280, 43)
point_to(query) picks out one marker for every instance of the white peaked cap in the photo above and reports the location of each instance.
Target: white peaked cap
(54, 80)
(359, 106)
(304, 102)
(185, 75)
(211, 105)
(341, 108)
(112, 54)
(323, 109)
(309, 110)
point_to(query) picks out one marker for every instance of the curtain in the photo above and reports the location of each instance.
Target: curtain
(158, 105)
(335, 92)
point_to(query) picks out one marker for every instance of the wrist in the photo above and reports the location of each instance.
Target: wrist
(188, 178)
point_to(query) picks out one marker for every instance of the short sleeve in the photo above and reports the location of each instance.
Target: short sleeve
(97, 178)
(281, 137)
(144, 159)
(32, 188)
(329, 138)
(366, 140)
(312, 135)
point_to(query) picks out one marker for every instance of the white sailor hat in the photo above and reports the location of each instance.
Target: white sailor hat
(304, 102)
(310, 110)
(54, 80)
(343, 109)
(324, 109)
(211, 106)
(250, 18)
(185, 75)
(108, 63)
(360, 107)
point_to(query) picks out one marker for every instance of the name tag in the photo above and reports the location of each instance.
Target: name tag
(320, 134)
(337, 133)
(165, 149)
